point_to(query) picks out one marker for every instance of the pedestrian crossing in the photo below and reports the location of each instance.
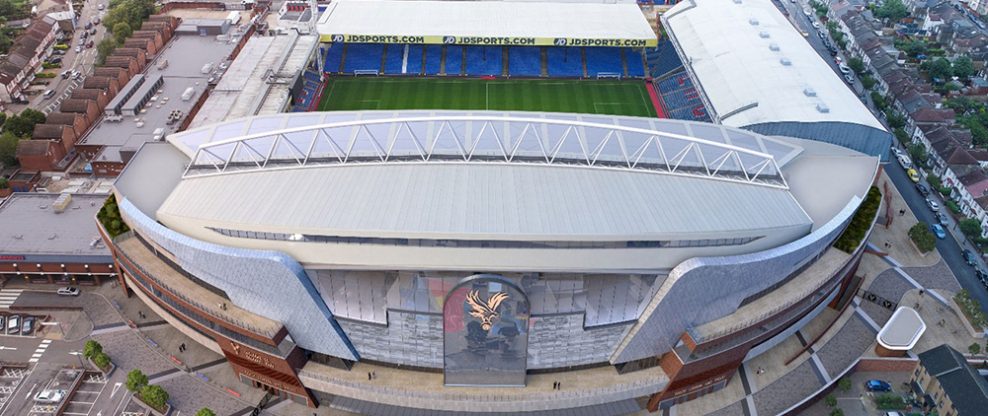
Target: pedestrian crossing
(40, 351)
(8, 297)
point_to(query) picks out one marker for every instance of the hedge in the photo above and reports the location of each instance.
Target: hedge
(861, 222)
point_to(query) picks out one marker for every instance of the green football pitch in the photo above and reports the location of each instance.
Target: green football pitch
(572, 96)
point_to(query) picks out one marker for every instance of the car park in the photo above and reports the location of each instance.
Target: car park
(934, 206)
(878, 385)
(68, 291)
(968, 257)
(938, 231)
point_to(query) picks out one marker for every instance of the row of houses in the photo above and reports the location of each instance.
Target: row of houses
(25, 57)
(953, 157)
(53, 143)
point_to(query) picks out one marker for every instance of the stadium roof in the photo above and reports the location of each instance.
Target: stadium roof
(485, 23)
(754, 67)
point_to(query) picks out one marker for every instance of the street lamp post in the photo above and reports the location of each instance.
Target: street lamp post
(78, 354)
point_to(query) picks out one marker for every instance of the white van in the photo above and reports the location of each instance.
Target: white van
(905, 161)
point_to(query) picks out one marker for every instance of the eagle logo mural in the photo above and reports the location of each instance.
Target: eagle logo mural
(486, 312)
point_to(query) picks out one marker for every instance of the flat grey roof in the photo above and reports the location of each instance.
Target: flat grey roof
(31, 226)
(186, 56)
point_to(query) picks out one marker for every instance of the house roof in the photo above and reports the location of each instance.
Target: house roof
(32, 147)
(933, 115)
(967, 390)
(88, 93)
(62, 118)
(48, 131)
(75, 105)
(960, 156)
(97, 82)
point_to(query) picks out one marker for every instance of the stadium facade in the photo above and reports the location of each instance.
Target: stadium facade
(451, 262)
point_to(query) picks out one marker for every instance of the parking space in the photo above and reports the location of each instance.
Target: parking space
(81, 402)
(18, 324)
(10, 380)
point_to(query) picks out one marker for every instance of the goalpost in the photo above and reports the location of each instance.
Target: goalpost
(608, 75)
(359, 72)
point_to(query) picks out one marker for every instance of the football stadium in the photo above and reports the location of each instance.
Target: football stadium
(510, 208)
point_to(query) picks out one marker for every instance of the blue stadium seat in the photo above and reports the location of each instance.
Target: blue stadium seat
(363, 57)
(393, 59)
(603, 60)
(414, 66)
(564, 62)
(333, 57)
(454, 60)
(662, 59)
(525, 61)
(633, 59)
(483, 60)
(433, 59)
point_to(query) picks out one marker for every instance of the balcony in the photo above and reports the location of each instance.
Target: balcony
(180, 286)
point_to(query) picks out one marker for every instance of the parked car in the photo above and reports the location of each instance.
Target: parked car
(78, 49)
(92, 31)
(89, 25)
(68, 291)
(28, 326)
(942, 218)
(968, 257)
(913, 175)
(3, 319)
(49, 396)
(13, 324)
(938, 231)
(849, 78)
(49, 93)
(96, 20)
(55, 60)
(933, 204)
(816, 25)
(878, 385)
(844, 68)
(982, 275)
(66, 74)
(90, 44)
(904, 161)
(100, 6)
(923, 190)
(76, 74)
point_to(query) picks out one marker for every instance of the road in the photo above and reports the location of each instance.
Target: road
(82, 61)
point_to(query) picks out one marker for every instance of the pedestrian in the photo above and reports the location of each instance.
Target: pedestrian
(902, 212)
(368, 375)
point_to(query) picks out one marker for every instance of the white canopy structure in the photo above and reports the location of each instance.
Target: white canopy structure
(485, 23)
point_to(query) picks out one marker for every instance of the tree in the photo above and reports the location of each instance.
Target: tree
(856, 65)
(3, 118)
(895, 120)
(918, 152)
(970, 227)
(205, 411)
(91, 349)
(934, 181)
(104, 49)
(121, 31)
(8, 149)
(22, 125)
(868, 82)
(915, 48)
(893, 10)
(941, 69)
(879, 100)
(963, 67)
(831, 400)
(922, 237)
(136, 380)
(974, 348)
(154, 396)
(4, 183)
(131, 12)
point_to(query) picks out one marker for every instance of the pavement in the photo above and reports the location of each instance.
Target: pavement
(858, 401)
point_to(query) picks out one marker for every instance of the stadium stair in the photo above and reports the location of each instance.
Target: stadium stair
(543, 63)
(505, 71)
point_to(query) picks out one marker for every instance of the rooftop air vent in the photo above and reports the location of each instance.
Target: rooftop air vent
(809, 92)
(773, 47)
(737, 1)
(785, 61)
(753, 21)
(822, 108)
(763, 34)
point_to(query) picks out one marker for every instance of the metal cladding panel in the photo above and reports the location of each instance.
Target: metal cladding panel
(865, 139)
(267, 283)
(701, 290)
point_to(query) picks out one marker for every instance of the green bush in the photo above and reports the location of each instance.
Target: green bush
(860, 223)
(889, 402)
(102, 360)
(48, 65)
(136, 381)
(831, 400)
(44, 75)
(4, 184)
(109, 216)
(91, 349)
(971, 308)
(974, 348)
(956, 209)
(837, 412)
(934, 181)
(922, 237)
(155, 396)
(205, 411)
(844, 385)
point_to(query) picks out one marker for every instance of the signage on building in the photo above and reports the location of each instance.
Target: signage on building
(486, 40)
